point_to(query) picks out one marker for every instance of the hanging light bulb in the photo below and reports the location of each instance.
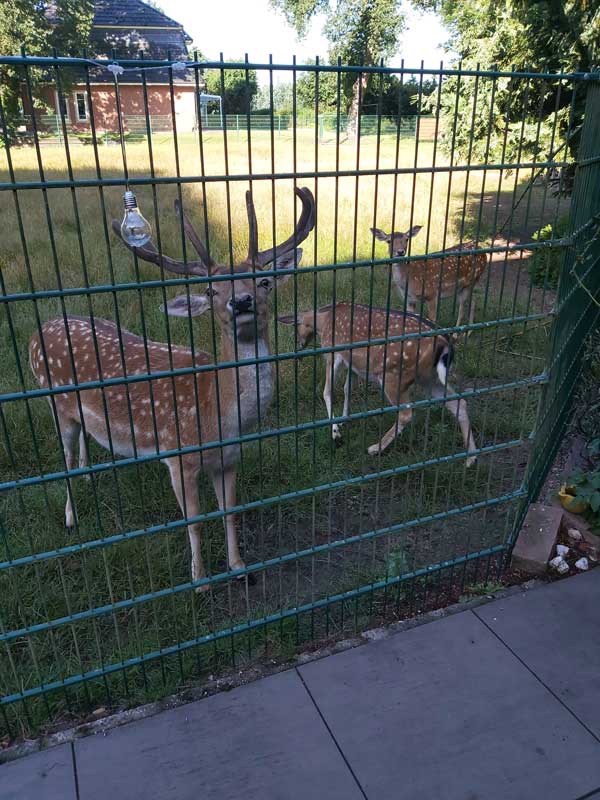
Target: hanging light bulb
(135, 230)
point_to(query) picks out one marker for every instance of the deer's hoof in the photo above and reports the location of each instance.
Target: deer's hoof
(249, 576)
(374, 450)
(470, 461)
(202, 589)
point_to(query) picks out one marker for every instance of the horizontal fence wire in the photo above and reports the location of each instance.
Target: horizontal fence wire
(430, 278)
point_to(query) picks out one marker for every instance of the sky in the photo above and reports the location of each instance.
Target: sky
(236, 27)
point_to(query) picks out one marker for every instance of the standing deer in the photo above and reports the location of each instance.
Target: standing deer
(430, 280)
(184, 410)
(395, 366)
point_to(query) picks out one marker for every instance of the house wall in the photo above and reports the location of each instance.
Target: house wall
(132, 104)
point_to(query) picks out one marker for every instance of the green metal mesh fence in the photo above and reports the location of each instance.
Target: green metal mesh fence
(335, 530)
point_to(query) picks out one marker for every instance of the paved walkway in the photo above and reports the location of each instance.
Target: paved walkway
(500, 702)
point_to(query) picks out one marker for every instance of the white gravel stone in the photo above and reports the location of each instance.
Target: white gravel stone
(582, 564)
(559, 564)
(574, 535)
(562, 550)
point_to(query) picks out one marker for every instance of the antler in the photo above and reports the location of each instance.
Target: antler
(150, 253)
(193, 237)
(304, 226)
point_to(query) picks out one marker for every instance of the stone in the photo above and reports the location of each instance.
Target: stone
(559, 564)
(574, 535)
(562, 550)
(537, 538)
(582, 564)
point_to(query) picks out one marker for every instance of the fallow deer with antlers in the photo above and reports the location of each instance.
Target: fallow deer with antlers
(429, 279)
(396, 366)
(182, 410)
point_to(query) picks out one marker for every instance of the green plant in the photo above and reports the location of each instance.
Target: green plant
(587, 486)
(480, 590)
(544, 265)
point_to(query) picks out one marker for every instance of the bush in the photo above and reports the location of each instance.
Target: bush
(545, 264)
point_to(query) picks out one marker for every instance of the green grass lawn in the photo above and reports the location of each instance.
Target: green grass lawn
(136, 497)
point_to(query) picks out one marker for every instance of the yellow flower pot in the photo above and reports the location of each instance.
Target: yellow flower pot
(566, 495)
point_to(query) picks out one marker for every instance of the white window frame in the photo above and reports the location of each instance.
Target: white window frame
(57, 106)
(86, 104)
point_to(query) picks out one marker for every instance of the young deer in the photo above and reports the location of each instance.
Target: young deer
(430, 280)
(184, 410)
(395, 367)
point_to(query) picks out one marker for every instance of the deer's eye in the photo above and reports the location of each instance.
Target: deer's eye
(210, 292)
(265, 283)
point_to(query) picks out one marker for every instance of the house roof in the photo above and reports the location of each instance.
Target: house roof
(130, 26)
(131, 14)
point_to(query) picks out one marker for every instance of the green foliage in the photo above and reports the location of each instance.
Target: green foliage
(545, 264)
(547, 36)
(395, 97)
(328, 92)
(359, 32)
(237, 87)
(39, 27)
(480, 590)
(587, 488)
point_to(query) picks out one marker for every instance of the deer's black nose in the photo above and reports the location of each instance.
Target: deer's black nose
(242, 303)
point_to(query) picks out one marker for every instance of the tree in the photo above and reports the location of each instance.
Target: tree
(361, 32)
(237, 88)
(542, 35)
(39, 27)
(394, 98)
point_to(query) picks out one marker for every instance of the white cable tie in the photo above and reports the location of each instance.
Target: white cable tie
(116, 69)
(179, 66)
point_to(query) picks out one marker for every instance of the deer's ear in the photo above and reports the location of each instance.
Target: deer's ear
(414, 230)
(287, 261)
(381, 235)
(186, 306)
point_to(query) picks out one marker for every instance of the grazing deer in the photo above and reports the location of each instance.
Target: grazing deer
(177, 411)
(430, 280)
(395, 366)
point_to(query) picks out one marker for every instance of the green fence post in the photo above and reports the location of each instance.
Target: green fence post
(576, 310)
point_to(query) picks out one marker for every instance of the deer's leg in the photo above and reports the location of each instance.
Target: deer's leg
(224, 485)
(433, 306)
(459, 410)
(333, 363)
(461, 308)
(84, 456)
(395, 394)
(471, 310)
(69, 431)
(185, 486)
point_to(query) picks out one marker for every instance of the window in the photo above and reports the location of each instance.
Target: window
(62, 105)
(81, 106)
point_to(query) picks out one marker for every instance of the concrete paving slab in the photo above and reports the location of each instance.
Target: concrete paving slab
(47, 775)
(555, 630)
(446, 711)
(263, 741)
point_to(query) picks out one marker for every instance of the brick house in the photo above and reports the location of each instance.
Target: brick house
(128, 27)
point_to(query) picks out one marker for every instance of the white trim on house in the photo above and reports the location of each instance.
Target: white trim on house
(65, 97)
(86, 116)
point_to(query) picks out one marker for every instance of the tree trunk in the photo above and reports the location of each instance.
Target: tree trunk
(358, 92)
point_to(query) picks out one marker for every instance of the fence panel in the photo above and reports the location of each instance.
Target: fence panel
(346, 515)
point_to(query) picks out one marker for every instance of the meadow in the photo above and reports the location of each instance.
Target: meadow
(422, 516)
